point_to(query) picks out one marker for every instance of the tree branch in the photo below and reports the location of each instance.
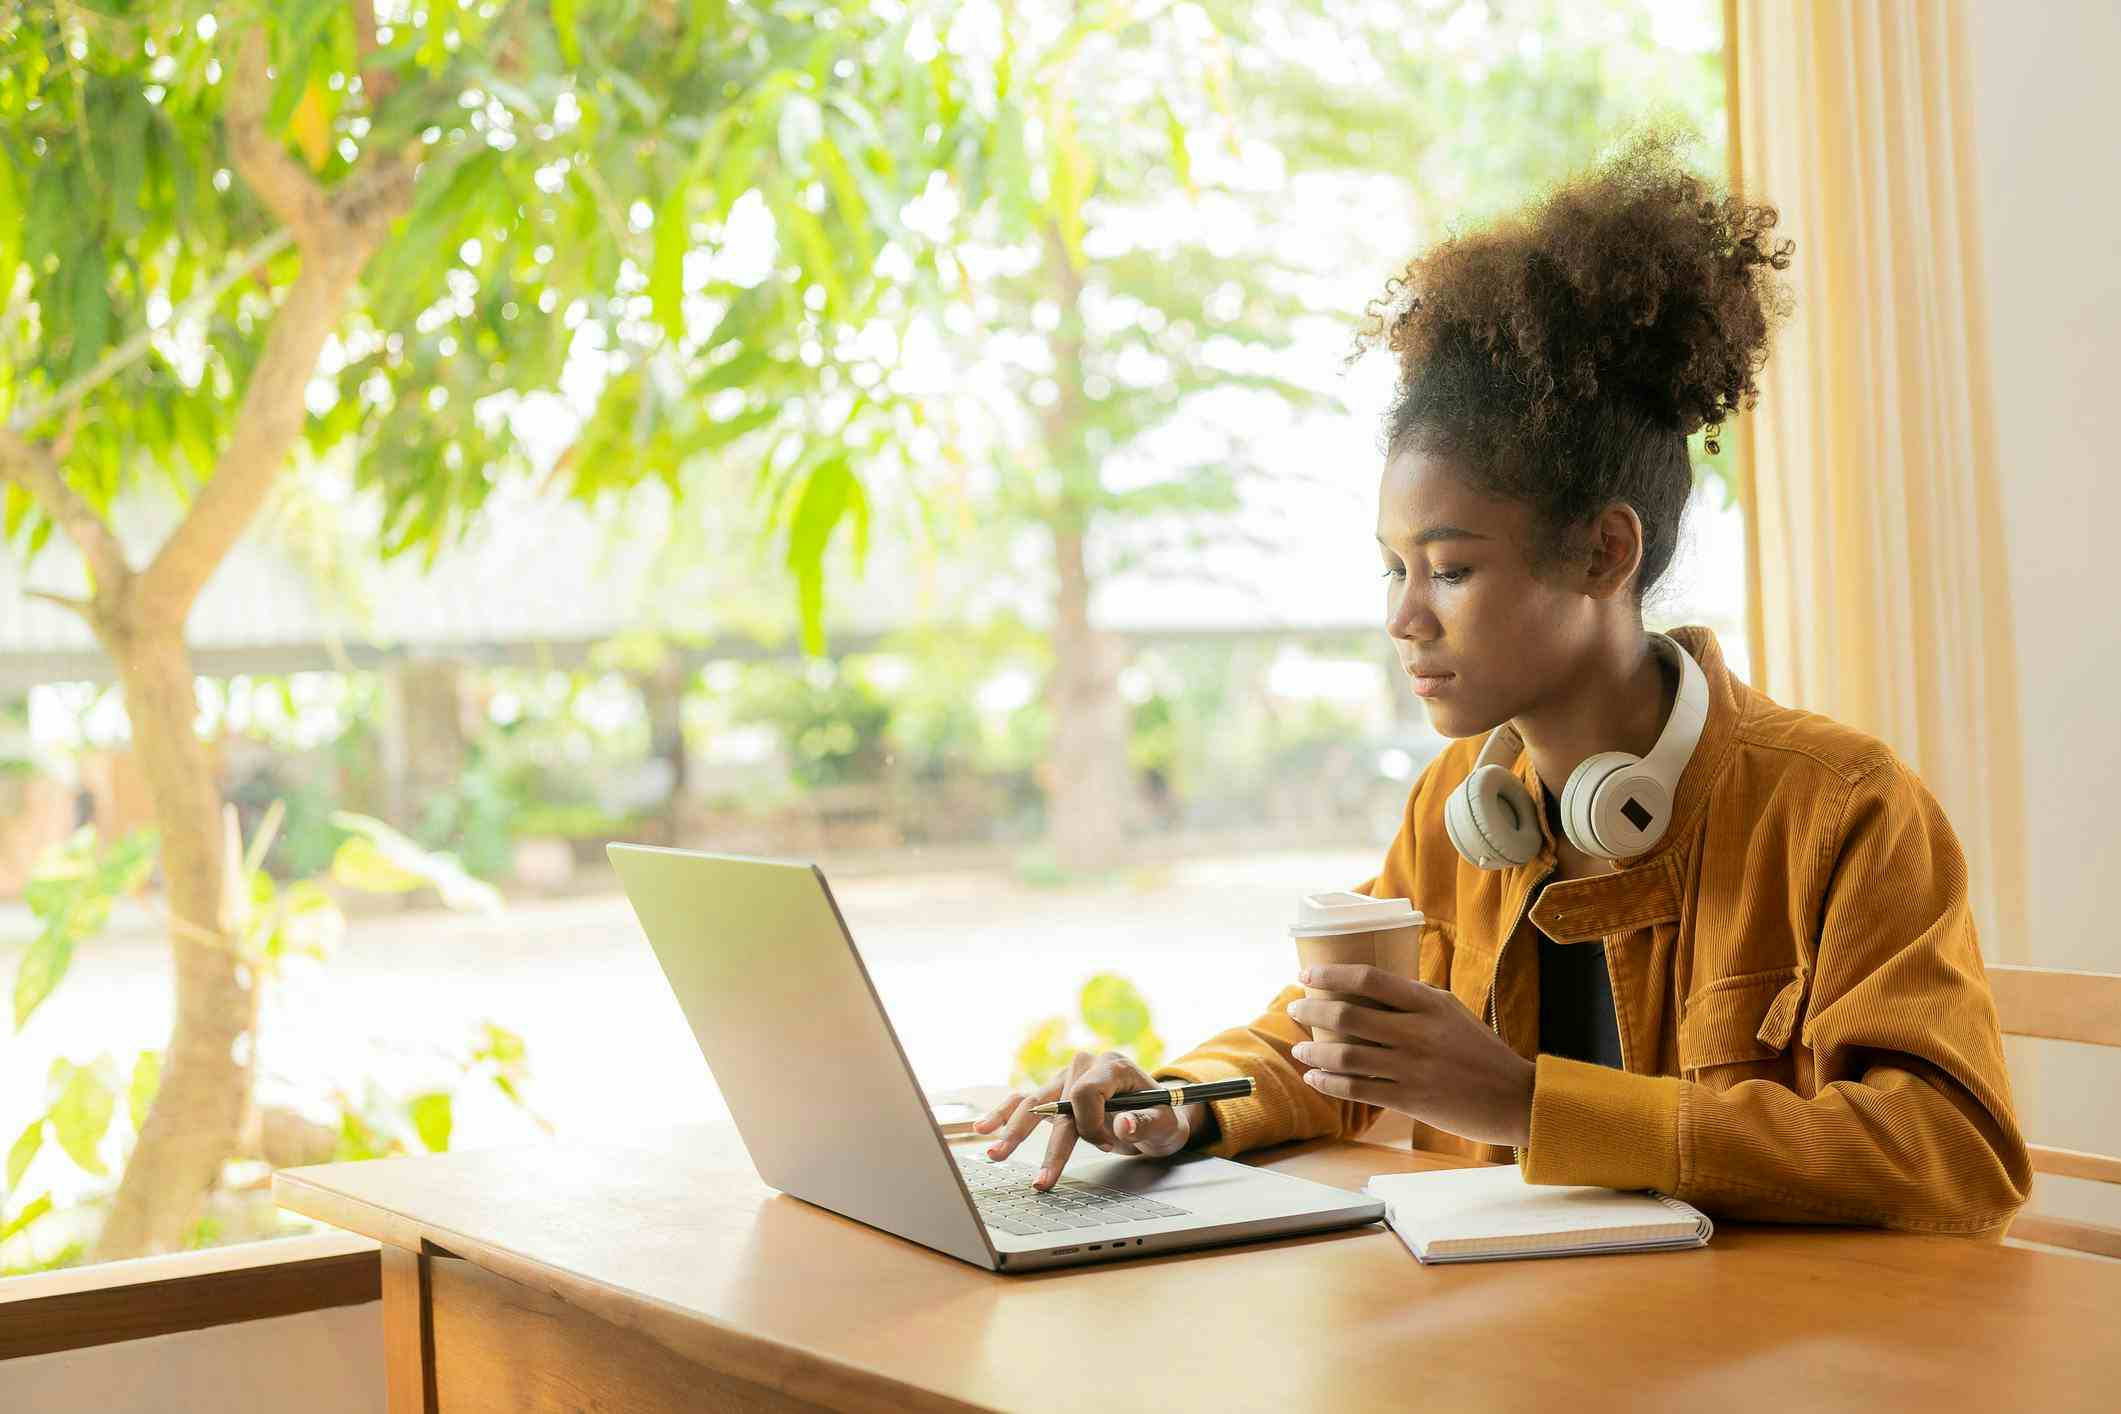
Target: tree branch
(375, 195)
(267, 422)
(336, 232)
(33, 468)
(287, 1138)
(286, 188)
(85, 608)
(377, 84)
(133, 349)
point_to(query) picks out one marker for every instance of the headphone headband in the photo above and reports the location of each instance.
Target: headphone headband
(1502, 748)
(1690, 712)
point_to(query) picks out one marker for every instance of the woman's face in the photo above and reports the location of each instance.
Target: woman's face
(1482, 637)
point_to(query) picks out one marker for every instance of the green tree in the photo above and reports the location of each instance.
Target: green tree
(1152, 201)
(230, 229)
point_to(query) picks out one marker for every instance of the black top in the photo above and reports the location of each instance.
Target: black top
(1576, 1017)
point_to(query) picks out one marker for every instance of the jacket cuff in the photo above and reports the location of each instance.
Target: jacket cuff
(1243, 1120)
(1601, 1126)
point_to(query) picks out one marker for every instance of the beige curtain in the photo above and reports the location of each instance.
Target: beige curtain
(1879, 594)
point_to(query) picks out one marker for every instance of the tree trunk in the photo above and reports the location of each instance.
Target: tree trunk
(1090, 794)
(202, 1108)
(200, 1114)
(1089, 789)
(663, 695)
(425, 744)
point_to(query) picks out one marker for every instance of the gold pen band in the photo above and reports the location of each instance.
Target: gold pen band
(1178, 1096)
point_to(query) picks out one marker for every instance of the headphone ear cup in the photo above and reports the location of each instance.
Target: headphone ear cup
(1491, 819)
(1579, 818)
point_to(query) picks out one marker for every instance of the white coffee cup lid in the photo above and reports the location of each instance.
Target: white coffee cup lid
(1322, 915)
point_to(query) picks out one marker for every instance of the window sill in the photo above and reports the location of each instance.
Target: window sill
(181, 1291)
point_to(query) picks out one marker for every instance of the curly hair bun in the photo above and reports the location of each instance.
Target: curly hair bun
(1635, 283)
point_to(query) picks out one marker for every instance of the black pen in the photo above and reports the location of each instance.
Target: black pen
(1173, 1096)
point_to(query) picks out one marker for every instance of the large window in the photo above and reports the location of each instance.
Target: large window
(925, 449)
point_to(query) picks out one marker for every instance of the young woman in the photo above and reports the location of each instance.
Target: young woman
(1742, 971)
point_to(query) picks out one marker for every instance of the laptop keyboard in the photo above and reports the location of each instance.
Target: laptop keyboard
(1006, 1200)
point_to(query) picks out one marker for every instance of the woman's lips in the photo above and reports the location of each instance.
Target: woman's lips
(1431, 684)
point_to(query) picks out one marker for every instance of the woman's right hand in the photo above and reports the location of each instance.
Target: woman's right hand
(1085, 1084)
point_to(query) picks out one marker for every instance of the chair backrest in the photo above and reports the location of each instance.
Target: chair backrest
(2063, 1006)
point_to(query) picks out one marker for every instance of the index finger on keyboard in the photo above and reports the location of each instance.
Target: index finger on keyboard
(1057, 1150)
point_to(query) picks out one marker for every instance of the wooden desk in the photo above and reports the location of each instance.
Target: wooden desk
(617, 1279)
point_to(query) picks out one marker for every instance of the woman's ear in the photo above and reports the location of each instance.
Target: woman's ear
(1616, 551)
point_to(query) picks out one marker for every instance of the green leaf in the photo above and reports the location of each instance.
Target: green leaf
(433, 1119)
(35, 1209)
(1181, 157)
(90, 311)
(734, 372)
(1044, 1050)
(405, 858)
(499, 1045)
(127, 864)
(1072, 175)
(824, 501)
(310, 124)
(563, 29)
(818, 261)
(23, 1151)
(359, 864)
(41, 970)
(1114, 1010)
(666, 276)
(737, 165)
(853, 209)
(309, 923)
(146, 1084)
(358, 1139)
(131, 135)
(299, 54)
(17, 505)
(858, 520)
(11, 219)
(81, 1116)
(720, 434)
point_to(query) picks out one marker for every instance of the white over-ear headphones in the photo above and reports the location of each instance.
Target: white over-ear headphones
(1615, 804)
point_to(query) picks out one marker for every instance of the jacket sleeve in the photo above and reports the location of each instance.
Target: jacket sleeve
(1910, 1124)
(1281, 1107)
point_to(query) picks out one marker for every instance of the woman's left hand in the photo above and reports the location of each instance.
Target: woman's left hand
(1432, 1058)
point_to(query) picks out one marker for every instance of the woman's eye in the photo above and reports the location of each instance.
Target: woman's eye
(1396, 572)
(1450, 576)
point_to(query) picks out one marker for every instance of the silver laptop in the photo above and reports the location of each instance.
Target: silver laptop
(783, 1009)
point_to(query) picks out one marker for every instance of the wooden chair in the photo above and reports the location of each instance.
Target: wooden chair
(2063, 1006)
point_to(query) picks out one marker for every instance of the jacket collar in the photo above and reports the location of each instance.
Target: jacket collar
(1646, 888)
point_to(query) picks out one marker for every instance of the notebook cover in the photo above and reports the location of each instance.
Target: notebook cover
(1486, 1214)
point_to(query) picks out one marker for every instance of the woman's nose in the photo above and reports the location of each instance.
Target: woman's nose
(1407, 616)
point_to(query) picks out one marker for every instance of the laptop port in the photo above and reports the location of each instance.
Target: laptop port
(1095, 1246)
(1064, 1251)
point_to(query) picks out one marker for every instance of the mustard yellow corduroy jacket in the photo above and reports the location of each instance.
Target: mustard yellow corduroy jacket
(1806, 1029)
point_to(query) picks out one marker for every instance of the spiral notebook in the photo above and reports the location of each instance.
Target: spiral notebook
(1492, 1214)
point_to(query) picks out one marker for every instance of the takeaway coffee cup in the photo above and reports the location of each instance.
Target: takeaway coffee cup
(1343, 927)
